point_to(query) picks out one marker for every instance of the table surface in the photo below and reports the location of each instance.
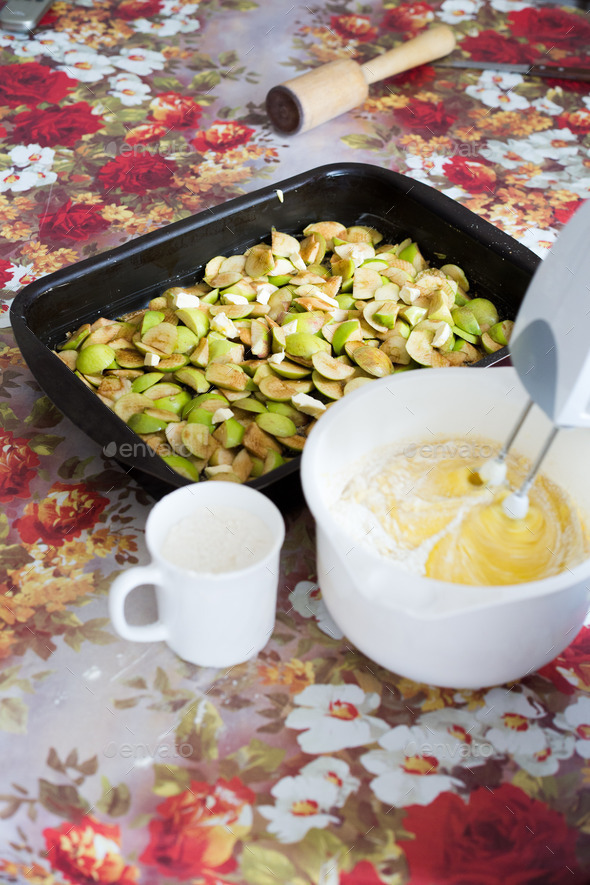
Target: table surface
(122, 763)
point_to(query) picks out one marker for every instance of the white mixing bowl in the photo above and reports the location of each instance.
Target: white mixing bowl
(432, 631)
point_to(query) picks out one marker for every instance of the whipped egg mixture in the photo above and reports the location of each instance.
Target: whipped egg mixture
(426, 508)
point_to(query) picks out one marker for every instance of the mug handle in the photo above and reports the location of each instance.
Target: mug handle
(120, 589)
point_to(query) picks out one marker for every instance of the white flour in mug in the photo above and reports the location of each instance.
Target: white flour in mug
(217, 539)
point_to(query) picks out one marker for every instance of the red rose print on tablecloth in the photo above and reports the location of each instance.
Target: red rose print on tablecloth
(6, 272)
(408, 17)
(145, 133)
(89, 852)
(565, 211)
(176, 111)
(417, 78)
(72, 221)
(137, 173)
(63, 514)
(573, 661)
(32, 83)
(353, 27)
(18, 465)
(426, 117)
(52, 126)
(475, 176)
(222, 136)
(576, 121)
(132, 9)
(197, 830)
(491, 46)
(548, 25)
(497, 836)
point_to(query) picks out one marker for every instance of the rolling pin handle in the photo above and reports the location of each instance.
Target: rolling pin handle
(427, 46)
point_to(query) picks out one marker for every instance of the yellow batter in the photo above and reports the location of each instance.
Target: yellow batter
(435, 517)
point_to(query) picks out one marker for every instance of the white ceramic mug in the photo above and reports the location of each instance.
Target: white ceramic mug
(210, 619)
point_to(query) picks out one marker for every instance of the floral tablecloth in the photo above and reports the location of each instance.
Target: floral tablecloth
(310, 764)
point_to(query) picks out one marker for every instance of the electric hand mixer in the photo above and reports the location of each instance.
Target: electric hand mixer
(550, 348)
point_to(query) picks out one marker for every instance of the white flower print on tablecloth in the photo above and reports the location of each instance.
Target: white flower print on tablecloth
(454, 11)
(335, 717)
(129, 89)
(495, 90)
(509, 719)
(576, 719)
(86, 66)
(139, 61)
(546, 762)
(302, 802)
(306, 599)
(336, 772)
(412, 767)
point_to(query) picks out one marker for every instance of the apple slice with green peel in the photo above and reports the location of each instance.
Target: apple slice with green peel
(382, 315)
(291, 370)
(387, 292)
(413, 314)
(373, 361)
(310, 321)
(249, 404)
(94, 359)
(193, 378)
(226, 279)
(226, 375)
(182, 466)
(76, 339)
(175, 403)
(283, 245)
(501, 332)
(460, 333)
(276, 424)
(281, 390)
(145, 381)
(212, 268)
(233, 263)
(484, 312)
(304, 344)
(141, 422)
(166, 415)
(196, 320)
(457, 274)
(297, 417)
(128, 358)
(199, 415)
(465, 319)
(330, 389)
(260, 339)
(395, 348)
(328, 230)
(186, 340)
(229, 433)
(331, 368)
(259, 261)
(412, 254)
(196, 438)
(210, 297)
(349, 330)
(366, 282)
(419, 346)
(241, 288)
(313, 248)
(173, 362)
(439, 310)
(200, 355)
(355, 383)
(150, 319)
(471, 354)
(488, 343)
(130, 404)
(345, 302)
(163, 388)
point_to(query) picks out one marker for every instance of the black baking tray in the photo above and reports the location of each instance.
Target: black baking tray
(125, 278)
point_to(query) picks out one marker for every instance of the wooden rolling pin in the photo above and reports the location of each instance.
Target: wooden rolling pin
(339, 86)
